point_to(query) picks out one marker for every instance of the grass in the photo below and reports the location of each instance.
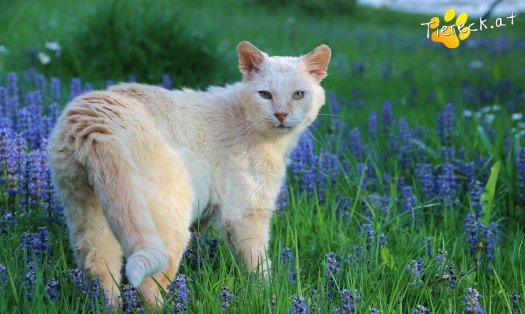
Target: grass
(378, 55)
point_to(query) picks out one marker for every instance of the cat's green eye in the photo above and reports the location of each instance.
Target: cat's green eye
(265, 94)
(298, 95)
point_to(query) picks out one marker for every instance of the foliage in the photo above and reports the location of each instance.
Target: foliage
(122, 39)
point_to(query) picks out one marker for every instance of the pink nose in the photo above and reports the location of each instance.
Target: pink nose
(281, 116)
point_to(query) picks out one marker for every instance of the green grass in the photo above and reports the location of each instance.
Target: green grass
(378, 39)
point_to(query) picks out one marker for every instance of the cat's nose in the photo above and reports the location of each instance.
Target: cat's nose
(281, 116)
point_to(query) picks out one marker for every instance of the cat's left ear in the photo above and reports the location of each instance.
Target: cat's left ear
(250, 59)
(316, 61)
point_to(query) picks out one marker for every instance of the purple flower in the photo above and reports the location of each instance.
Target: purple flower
(6, 221)
(445, 124)
(373, 311)
(472, 305)
(52, 288)
(428, 241)
(55, 90)
(3, 273)
(372, 125)
(349, 298)
(425, 175)
(75, 88)
(388, 116)
(287, 258)
(35, 244)
(420, 309)
(166, 82)
(520, 169)
(409, 199)
(355, 144)
(447, 184)
(179, 292)
(415, 267)
(515, 299)
(475, 197)
(30, 279)
(225, 296)
(298, 305)
(332, 264)
(481, 237)
(131, 301)
(282, 199)
(334, 106)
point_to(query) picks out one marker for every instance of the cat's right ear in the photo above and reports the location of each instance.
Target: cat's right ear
(250, 59)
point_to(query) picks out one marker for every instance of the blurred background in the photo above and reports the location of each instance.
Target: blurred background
(380, 49)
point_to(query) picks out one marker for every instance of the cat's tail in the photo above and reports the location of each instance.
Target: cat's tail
(117, 181)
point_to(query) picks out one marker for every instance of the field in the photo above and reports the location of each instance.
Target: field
(407, 195)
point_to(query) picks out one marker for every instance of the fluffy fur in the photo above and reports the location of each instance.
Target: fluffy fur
(136, 165)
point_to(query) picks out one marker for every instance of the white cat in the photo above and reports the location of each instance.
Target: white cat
(137, 165)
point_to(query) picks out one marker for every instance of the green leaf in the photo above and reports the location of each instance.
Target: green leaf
(490, 189)
(387, 257)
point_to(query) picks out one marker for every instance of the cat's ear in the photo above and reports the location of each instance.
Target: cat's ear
(316, 61)
(250, 59)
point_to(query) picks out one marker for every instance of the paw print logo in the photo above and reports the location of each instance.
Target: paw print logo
(450, 35)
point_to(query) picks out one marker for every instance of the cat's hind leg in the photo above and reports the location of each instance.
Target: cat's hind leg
(96, 249)
(169, 196)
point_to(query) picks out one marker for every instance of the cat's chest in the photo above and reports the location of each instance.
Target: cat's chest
(252, 179)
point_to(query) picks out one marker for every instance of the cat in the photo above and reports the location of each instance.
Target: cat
(136, 165)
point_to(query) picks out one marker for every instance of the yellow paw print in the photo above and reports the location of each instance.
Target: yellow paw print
(451, 35)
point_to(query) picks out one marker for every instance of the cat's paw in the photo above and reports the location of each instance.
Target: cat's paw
(452, 34)
(143, 263)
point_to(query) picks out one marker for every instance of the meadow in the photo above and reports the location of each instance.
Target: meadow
(407, 195)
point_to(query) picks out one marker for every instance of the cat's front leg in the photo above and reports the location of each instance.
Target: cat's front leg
(249, 235)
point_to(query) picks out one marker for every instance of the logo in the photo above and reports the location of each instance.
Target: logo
(452, 33)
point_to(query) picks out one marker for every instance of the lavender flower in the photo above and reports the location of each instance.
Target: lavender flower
(75, 88)
(179, 292)
(475, 197)
(3, 273)
(481, 237)
(166, 82)
(332, 264)
(35, 244)
(52, 288)
(374, 311)
(520, 169)
(334, 106)
(415, 267)
(372, 124)
(225, 296)
(298, 305)
(409, 199)
(472, 305)
(30, 279)
(446, 122)
(355, 144)
(388, 116)
(287, 258)
(515, 299)
(282, 199)
(349, 299)
(420, 309)
(131, 301)
(425, 175)
(55, 89)
(447, 182)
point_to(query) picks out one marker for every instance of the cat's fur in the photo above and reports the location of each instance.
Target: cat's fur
(136, 165)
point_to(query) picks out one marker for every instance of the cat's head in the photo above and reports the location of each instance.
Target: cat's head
(282, 94)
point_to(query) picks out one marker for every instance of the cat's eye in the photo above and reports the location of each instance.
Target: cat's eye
(265, 94)
(298, 95)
